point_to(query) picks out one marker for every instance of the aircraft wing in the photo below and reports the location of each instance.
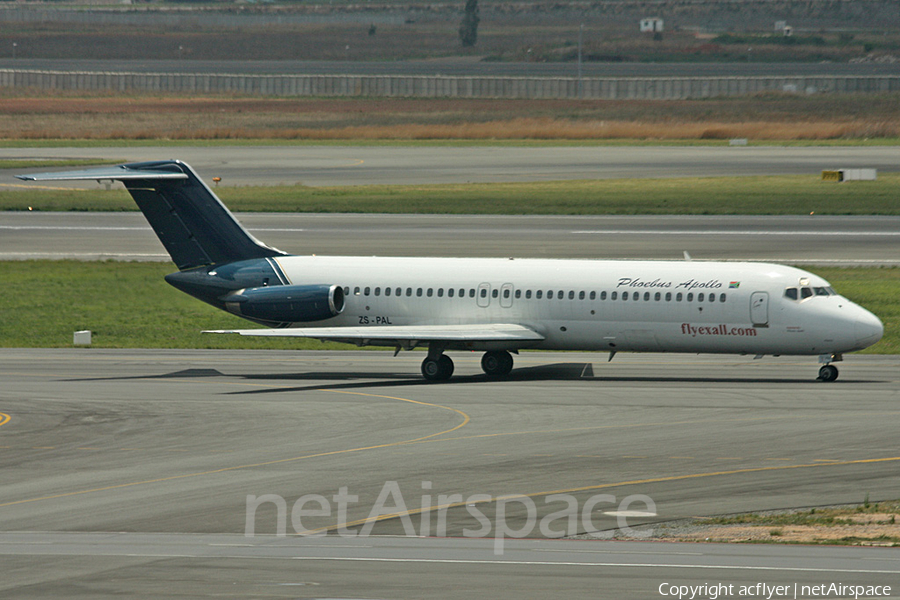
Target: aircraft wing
(405, 334)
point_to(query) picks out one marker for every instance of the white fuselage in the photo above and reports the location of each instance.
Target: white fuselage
(647, 306)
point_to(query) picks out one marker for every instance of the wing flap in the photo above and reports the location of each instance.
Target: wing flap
(493, 332)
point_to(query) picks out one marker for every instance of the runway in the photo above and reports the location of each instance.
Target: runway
(411, 165)
(131, 471)
(805, 240)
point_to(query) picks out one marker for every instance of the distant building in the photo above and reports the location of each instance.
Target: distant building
(651, 25)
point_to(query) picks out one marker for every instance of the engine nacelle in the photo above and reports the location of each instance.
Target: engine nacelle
(287, 303)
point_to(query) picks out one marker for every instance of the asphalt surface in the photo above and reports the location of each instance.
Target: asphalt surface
(361, 165)
(807, 240)
(457, 67)
(127, 472)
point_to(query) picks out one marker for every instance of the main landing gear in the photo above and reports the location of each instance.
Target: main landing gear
(438, 367)
(497, 363)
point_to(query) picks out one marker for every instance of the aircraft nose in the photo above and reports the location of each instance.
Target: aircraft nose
(868, 330)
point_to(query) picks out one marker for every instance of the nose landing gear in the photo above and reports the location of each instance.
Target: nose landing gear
(828, 373)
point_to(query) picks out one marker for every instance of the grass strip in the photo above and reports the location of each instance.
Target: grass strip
(771, 195)
(129, 305)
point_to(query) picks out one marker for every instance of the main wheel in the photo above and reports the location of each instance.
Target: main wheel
(497, 363)
(437, 369)
(828, 373)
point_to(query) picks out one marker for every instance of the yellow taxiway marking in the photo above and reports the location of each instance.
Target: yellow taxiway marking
(4, 418)
(601, 486)
(464, 422)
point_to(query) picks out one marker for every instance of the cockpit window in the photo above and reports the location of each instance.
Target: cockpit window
(790, 293)
(806, 292)
(831, 291)
(820, 291)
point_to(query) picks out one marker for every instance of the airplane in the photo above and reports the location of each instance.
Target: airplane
(498, 306)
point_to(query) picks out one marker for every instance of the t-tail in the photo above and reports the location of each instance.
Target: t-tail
(191, 222)
(219, 261)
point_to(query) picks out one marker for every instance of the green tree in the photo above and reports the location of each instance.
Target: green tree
(468, 29)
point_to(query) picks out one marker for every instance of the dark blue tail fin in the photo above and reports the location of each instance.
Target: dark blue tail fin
(190, 221)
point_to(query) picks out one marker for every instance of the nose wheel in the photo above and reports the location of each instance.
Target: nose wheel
(828, 373)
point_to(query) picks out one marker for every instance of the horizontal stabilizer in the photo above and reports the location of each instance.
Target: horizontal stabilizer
(118, 173)
(187, 217)
(404, 333)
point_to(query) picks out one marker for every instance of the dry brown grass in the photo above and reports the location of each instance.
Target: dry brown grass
(25, 117)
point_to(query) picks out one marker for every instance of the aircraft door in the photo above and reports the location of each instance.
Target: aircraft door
(506, 295)
(483, 297)
(759, 309)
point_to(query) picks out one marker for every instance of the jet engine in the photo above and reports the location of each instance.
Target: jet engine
(287, 303)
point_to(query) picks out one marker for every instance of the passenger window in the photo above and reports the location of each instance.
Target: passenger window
(367, 290)
(657, 296)
(440, 292)
(593, 295)
(471, 292)
(356, 291)
(678, 297)
(790, 293)
(700, 297)
(549, 294)
(712, 297)
(603, 296)
(450, 292)
(560, 294)
(624, 295)
(387, 292)
(572, 295)
(690, 297)
(613, 295)
(528, 294)
(505, 294)
(494, 293)
(668, 296)
(462, 293)
(419, 292)
(430, 292)
(538, 294)
(637, 296)
(483, 293)
(346, 291)
(398, 291)
(722, 297)
(409, 291)
(646, 296)
(518, 294)
(805, 293)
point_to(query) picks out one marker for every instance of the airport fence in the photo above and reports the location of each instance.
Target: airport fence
(435, 86)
